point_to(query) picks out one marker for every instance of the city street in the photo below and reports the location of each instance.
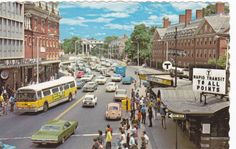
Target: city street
(16, 129)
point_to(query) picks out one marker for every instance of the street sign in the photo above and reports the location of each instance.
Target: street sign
(177, 116)
(166, 65)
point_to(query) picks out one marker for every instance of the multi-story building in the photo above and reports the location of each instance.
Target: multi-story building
(42, 30)
(118, 46)
(11, 31)
(197, 40)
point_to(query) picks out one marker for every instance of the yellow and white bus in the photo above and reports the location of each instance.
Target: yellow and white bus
(40, 97)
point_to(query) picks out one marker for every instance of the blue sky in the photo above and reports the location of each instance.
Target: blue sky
(101, 19)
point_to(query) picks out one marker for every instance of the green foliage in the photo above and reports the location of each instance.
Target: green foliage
(141, 36)
(221, 62)
(108, 40)
(211, 9)
(69, 45)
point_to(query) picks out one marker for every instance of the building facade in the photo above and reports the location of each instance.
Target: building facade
(118, 46)
(41, 30)
(11, 31)
(206, 37)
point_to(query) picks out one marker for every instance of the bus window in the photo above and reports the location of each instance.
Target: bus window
(46, 93)
(66, 86)
(55, 90)
(26, 96)
(72, 84)
(61, 88)
(39, 93)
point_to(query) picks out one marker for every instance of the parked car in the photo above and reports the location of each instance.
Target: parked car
(127, 80)
(120, 94)
(111, 87)
(80, 83)
(116, 78)
(54, 132)
(90, 86)
(113, 111)
(79, 74)
(6, 146)
(101, 80)
(89, 100)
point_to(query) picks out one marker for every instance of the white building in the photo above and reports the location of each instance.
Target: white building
(11, 30)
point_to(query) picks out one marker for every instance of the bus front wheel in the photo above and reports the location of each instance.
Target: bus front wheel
(70, 97)
(45, 107)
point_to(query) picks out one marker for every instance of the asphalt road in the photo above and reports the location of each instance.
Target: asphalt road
(16, 129)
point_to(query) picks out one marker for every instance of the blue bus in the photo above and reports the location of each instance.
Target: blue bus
(120, 70)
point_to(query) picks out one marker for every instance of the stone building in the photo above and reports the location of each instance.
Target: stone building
(118, 46)
(199, 40)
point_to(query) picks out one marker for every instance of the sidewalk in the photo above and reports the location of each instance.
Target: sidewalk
(165, 138)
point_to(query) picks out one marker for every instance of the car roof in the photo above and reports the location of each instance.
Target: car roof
(89, 95)
(113, 83)
(113, 104)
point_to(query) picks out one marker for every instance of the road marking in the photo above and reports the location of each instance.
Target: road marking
(76, 135)
(14, 138)
(69, 108)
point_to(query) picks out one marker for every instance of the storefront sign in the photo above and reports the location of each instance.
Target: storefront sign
(206, 128)
(4, 74)
(177, 116)
(209, 80)
(142, 77)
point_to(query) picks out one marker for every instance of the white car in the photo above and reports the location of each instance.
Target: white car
(87, 78)
(116, 78)
(111, 87)
(120, 94)
(101, 80)
(89, 100)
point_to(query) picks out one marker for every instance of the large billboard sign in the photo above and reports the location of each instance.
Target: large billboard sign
(209, 80)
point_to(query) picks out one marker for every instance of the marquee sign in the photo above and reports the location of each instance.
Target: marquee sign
(209, 80)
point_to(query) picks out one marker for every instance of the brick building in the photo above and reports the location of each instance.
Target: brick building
(42, 30)
(198, 40)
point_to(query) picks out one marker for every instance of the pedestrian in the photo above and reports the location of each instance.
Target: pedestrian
(100, 137)
(12, 103)
(127, 132)
(1, 99)
(108, 128)
(150, 116)
(146, 138)
(108, 139)
(157, 107)
(143, 143)
(132, 141)
(96, 144)
(139, 115)
(132, 93)
(143, 112)
(4, 104)
(122, 140)
(135, 84)
(163, 116)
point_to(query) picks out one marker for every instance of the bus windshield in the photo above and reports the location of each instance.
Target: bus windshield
(26, 96)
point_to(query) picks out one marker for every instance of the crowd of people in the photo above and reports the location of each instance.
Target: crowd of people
(7, 101)
(142, 107)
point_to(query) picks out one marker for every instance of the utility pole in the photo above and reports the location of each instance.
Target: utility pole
(138, 51)
(175, 56)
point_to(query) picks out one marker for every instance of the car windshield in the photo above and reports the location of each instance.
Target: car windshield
(113, 108)
(86, 76)
(110, 85)
(50, 128)
(100, 77)
(121, 92)
(88, 98)
(116, 75)
(91, 83)
(26, 95)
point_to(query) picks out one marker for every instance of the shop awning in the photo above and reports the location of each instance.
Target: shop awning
(185, 101)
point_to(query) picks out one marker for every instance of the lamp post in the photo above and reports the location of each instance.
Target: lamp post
(138, 51)
(37, 81)
(175, 56)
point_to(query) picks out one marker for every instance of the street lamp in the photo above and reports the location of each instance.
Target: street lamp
(175, 56)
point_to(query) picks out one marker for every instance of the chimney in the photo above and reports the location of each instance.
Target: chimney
(199, 14)
(188, 16)
(181, 18)
(166, 22)
(220, 8)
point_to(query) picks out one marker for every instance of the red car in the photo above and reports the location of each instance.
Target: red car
(79, 74)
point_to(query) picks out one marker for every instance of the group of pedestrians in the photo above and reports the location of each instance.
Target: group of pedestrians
(7, 100)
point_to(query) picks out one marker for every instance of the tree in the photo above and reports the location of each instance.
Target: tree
(108, 40)
(69, 45)
(211, 9)
(220, 62)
